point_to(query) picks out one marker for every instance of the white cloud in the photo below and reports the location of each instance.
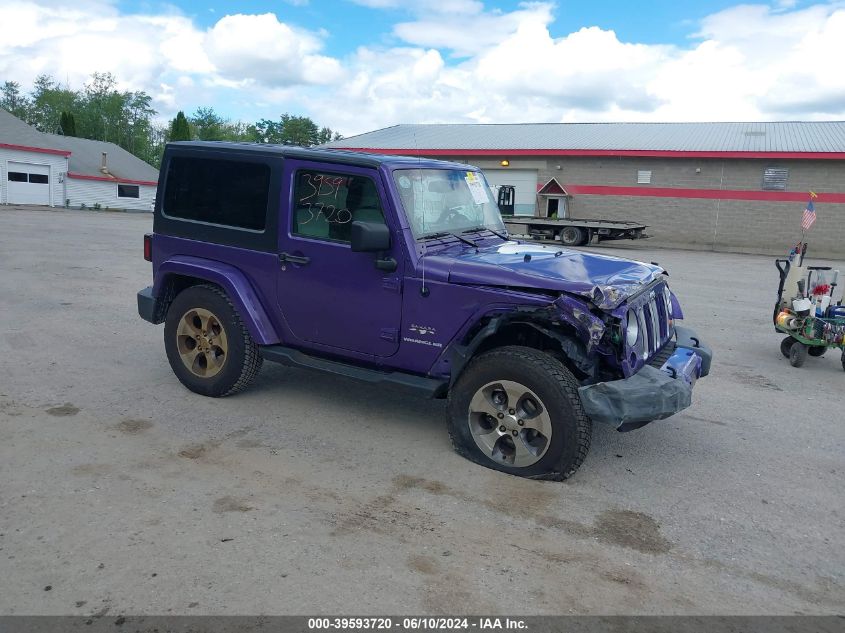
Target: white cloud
(750, 62)
(472, 31)
(260, 48)
(454, 7)
(459, 62)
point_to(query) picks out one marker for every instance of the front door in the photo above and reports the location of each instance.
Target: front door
(331, 298)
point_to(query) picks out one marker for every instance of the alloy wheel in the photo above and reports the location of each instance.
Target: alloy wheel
(509, 423)
(202, 343)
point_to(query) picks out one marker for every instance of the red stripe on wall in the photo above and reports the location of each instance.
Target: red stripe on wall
(710, 194)
(122, 181)
(40, 150)
(647, 153)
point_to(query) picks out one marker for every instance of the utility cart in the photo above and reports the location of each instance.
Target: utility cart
(804, 309)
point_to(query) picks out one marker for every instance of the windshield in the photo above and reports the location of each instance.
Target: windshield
(447, 200)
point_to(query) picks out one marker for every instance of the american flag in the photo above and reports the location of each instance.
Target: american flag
(809, 216)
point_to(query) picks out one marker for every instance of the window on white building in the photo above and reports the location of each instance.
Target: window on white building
(128, 191)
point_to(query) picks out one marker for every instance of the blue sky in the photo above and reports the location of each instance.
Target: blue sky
(351, 24)
(357, 65)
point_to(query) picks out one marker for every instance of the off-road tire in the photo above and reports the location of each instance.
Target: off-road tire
(817, 351)
(553, 383)
(572, 236)
(786, 345)
(243, 360)
(797, 354)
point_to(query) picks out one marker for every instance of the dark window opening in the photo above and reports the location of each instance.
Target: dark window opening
(39, 179)
(128, 191)
(225, 192)
(326, 204)
(17, 176)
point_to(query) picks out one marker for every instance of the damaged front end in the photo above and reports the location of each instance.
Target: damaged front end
(636, 364)
(659, 363)
(633, 362)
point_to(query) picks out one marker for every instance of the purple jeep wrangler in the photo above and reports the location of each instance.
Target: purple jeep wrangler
(399, 270)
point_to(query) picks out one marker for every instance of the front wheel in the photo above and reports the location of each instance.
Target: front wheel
(786, 345)
(517, 410)
(207, 344)
(798, 354)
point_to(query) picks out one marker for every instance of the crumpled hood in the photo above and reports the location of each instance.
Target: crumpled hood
(604, 280)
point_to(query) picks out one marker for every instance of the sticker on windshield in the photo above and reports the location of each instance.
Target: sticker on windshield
(476, 188)
(404, 182)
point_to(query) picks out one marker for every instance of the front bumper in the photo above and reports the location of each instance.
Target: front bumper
(652, 393)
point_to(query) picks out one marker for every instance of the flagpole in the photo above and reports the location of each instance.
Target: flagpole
(810, 208)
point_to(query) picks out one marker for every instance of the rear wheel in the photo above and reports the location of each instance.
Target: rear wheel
(588, 235)
(817, 350)
(843, 359)
(572, 236)
(517, 409)
(207, 344)
(797, 354)
(786, 345)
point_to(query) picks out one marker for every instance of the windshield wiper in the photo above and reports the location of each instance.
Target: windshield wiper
(431, 236)
(478, 229)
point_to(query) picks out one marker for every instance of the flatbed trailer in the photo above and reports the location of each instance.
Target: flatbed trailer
(574, 232)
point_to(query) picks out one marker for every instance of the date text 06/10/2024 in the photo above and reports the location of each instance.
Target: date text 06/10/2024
(415, 624)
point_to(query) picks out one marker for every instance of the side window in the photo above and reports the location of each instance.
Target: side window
(225, 192)
(326, 204)
(128, 191)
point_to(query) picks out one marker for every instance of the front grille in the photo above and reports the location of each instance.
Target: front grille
(654, 322)
(662, 355)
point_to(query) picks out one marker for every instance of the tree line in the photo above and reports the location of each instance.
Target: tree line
(101, 112)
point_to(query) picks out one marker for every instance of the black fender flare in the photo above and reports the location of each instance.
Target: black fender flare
(571, 347)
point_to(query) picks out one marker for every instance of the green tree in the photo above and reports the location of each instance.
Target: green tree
(326, 134)
(299, 130)
(179, 128)
(104, 115)
(13, 101)
(48, 101)
(208, 125)
(103, 112)
(68, 124)
(292, 130)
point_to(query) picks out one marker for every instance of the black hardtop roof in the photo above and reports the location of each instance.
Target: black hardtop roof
(344, 157)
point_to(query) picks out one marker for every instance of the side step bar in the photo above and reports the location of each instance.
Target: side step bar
(430, 387)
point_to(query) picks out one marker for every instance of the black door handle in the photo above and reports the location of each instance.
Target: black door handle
(284, 258)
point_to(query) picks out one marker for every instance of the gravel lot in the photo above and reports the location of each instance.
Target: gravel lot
(123, 493)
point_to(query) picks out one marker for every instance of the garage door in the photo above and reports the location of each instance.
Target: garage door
(525, 183)
(28, 183)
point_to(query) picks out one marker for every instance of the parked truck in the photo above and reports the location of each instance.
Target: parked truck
(569, 231)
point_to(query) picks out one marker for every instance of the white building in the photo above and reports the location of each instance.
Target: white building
(57, 171)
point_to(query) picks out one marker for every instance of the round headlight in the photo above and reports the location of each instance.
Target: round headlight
(632, 331)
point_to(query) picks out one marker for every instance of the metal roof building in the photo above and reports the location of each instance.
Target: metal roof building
(789, 137)
(723, 186)
(56, 170)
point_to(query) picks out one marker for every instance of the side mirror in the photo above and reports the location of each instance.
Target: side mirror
(369, 237)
